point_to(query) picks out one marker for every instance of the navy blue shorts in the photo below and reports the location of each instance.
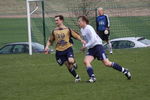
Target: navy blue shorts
(97, 52)
(104, 37)
(62, 56)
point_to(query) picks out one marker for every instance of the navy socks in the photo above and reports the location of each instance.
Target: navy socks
(73, 72)
(118, 67)
(90, 71)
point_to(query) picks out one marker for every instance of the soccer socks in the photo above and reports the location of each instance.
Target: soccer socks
(110, 47)
(90, 71)
(75, 65)
(118, 67)
(73, 72)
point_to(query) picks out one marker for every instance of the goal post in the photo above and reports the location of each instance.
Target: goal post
(31, 12)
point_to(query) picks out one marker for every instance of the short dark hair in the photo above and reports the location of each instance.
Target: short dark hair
(61, 17)
(84, 18)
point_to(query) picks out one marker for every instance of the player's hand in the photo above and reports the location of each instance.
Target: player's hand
(46, 50)
(83, 42)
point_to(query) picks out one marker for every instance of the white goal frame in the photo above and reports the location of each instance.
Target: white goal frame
(29, 13)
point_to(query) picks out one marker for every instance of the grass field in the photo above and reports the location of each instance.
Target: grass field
(38, 77)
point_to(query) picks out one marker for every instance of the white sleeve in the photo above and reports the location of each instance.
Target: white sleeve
(108, 21)
(90, 37)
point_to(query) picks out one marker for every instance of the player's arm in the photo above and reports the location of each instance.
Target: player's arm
(107, 25)
(107, 22)
(96, 24)
(49, 42)
(77, 36)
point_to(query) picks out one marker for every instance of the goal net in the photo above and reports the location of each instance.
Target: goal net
(128, 18)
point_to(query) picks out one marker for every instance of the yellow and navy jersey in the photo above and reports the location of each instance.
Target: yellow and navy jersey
(62, 37)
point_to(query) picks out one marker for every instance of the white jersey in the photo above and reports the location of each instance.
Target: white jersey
(90, 36)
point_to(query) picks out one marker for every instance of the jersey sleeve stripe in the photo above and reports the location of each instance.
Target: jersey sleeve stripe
(108, 20)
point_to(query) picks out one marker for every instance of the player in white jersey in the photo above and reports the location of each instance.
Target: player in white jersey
(95, 50)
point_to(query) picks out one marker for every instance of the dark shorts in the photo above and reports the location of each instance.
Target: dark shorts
(104, 37)
(97, 52)
(62, 56)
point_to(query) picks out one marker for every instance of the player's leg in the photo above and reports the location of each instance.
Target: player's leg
(109, 46)
(70, 56)
(101, 55)
(71, 64)
(118, 67)
(106, 38)
(101, 35)
(87, 61)
(60, 58)
(71, 69)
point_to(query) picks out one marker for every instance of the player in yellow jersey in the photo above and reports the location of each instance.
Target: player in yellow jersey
(64, 53)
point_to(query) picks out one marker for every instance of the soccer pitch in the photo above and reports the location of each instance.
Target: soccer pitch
(38, 77)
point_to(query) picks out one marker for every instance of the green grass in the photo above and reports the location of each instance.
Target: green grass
(12, 30)
(38, 77)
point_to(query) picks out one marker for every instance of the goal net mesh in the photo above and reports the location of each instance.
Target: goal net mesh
(128, 18)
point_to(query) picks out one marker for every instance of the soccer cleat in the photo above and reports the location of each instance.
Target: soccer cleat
(127, 74)
(91, 80)
(77, 79)
(75, 66)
